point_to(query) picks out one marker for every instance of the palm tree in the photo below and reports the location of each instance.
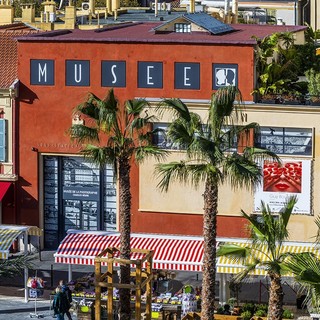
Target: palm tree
(116, 135)
(305, 268)
(265, 251)
(209, 160)
(12, 267)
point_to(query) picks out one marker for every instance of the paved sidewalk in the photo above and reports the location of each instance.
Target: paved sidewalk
(13, 306)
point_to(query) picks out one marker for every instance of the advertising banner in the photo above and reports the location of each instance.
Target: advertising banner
(280, 181)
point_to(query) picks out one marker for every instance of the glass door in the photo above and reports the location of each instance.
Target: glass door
(79, 214)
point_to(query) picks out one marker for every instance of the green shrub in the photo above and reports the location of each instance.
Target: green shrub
(263, 307)
(249, 307)
(287, 314)
(246, 315)
(313, 78)
(260, 313)
(220, 310)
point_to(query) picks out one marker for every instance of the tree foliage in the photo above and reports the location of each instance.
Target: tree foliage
(15, 266)
(211, 159)
(264, 251)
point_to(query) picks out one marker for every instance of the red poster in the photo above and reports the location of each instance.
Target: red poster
(284, 177)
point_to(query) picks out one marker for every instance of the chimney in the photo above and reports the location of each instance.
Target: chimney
(6, 12)
(50, 10)
(235, 11)
(192, 6)
(28, 12)
(70, 17)
(92, 6)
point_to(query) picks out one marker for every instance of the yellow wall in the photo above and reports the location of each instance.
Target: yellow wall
(186, 199)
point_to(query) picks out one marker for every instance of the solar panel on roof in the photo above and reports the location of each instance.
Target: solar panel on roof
(208, 22)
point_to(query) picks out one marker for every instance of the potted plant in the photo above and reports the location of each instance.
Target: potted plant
(313, 78)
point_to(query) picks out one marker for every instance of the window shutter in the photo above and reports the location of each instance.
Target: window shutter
(3, 140)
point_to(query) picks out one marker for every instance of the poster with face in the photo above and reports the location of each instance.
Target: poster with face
(282, 180)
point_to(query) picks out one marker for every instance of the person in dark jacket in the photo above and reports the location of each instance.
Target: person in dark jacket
(67, 291)
(61, 304)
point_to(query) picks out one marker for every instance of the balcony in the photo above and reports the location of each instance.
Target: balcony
(288, 99)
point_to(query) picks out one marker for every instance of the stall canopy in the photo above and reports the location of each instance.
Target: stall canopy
(8, 233)
(170, 252)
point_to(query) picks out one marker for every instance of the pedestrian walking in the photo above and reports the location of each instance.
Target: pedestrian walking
(67, 291)
(61, 304)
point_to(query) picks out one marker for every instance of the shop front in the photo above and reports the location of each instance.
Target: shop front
(171, 254)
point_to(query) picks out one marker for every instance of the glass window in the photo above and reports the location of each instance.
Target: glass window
(182, 27)
(161, 140)
(3, 140)
(160, 137)
(297, 141)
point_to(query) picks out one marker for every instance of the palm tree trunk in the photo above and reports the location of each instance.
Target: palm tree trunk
(125, 230)
(209, 255)
(275, 308)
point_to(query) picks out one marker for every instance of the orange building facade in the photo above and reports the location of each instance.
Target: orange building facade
(57, 189)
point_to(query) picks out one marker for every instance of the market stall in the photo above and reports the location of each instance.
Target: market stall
(10, 233)
(171, 253)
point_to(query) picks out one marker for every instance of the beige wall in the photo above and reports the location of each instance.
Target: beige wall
(186, 199)
(315, 14)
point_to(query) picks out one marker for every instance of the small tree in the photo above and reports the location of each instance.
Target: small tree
(305, 267)
(12, 267)
(265, 251)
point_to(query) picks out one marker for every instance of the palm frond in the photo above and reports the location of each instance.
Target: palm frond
(100, 155)
(135, 107)
(259, 155)
(181, 172)
(177, 107)
(12, 267)
(287, 209)
(83, 134)
(241, 171)
(143, 152)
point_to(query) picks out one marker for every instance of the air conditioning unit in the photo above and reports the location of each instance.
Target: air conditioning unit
(85, 6)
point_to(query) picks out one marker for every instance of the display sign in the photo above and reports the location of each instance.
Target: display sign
(79, 193)
(187, 75)
(280, 181)
(113, 73)
(150, 75)
(224, 75)
(78, 73)
(42, 72)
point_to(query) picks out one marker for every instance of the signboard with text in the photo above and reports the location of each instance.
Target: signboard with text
(280, 181)
(79, 193)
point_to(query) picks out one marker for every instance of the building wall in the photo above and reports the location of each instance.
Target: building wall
(154, 204)
(45, 114)
(315, 14)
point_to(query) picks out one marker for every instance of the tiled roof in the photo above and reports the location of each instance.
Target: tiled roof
(142, 32)
(8, 52)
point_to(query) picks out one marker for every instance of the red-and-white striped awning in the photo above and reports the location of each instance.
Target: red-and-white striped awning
(170, 252)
